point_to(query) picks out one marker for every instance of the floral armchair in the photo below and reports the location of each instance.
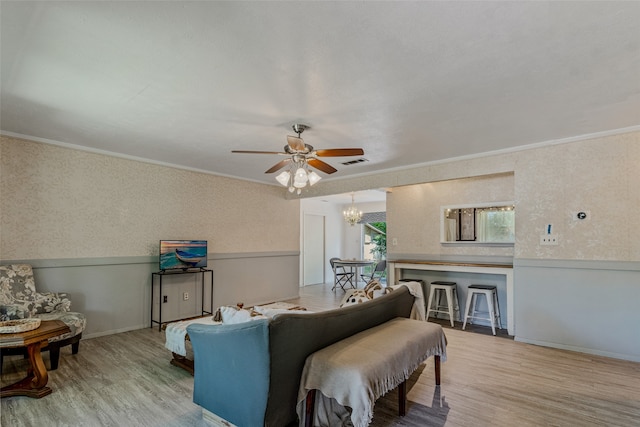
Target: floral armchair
(19, 299)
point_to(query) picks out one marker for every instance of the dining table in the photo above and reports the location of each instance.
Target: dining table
(354, 266)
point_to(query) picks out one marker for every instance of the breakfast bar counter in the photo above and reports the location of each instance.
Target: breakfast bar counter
(396, 268)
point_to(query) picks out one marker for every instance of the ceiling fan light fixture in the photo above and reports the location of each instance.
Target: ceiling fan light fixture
(283, 178)
(300, 178)
(314, 177)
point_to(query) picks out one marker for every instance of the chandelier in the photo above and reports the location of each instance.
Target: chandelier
(352, 215)
(298, 175)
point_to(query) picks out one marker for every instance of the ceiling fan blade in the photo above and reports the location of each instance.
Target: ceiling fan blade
(339, 152)
(278, 166)
(257, 152)
(295, 143)
(324, 167)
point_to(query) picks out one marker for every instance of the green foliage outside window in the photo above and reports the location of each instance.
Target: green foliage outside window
(379, 251)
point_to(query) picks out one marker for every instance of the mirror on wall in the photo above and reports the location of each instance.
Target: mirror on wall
(478, 223)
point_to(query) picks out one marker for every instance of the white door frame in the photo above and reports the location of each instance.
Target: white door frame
(313, 249)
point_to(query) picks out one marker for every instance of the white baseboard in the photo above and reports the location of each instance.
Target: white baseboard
(613, 355)
(115, 331)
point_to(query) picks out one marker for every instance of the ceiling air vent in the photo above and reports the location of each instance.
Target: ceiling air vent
(353, 162)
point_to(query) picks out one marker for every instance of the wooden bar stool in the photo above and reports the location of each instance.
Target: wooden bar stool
(450, 292)
(490, 293)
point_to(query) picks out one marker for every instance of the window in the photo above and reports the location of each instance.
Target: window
(482, 223)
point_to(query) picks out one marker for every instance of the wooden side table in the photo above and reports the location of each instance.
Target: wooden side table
(35, 383)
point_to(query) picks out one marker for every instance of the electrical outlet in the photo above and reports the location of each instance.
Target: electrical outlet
(394, 241)
(164, 299)
(549, 239)
(185, 296)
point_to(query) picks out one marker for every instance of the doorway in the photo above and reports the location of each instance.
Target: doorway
(374, 240)
(313, 249)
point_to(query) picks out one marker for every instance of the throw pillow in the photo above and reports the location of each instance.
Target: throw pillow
(374, 289)
(373, 285)
(355, 296)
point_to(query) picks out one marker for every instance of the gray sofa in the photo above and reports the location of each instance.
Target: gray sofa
(249, 373)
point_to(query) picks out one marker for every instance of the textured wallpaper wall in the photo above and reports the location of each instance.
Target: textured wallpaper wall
(61, 203)
(413, 213)
(64, 203)
(600, 176)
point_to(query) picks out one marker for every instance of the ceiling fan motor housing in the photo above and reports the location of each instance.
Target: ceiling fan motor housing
(307, 149)
(299, 128)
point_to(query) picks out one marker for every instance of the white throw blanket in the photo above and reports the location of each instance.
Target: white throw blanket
(358, 370)
(418, 311)
(176, 333)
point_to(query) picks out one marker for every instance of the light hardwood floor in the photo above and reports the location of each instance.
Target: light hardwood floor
(126, 380)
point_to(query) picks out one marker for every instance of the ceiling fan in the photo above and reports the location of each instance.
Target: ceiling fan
(300, 156)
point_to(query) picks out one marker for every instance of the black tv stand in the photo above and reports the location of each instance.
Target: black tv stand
(163, 273)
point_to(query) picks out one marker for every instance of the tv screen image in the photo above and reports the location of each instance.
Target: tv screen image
(183, 254)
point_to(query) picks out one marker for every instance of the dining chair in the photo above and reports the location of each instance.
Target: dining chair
(341, 276)
(377, 272)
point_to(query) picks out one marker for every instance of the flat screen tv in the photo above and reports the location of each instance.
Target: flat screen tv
(183, 254)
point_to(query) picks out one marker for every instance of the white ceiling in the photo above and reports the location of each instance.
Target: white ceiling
(184, 83)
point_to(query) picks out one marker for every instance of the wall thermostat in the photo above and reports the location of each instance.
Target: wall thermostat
(581, 215)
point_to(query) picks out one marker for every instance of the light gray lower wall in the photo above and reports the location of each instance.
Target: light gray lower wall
(586, 306)
(256, 279)
(115, 293)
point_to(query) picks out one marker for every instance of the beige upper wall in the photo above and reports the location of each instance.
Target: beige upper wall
(413, 213)
(64, 203)
(601, 176)
(550, 183)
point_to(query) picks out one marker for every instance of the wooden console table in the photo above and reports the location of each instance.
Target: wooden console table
(35, 383)
(396, 267)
